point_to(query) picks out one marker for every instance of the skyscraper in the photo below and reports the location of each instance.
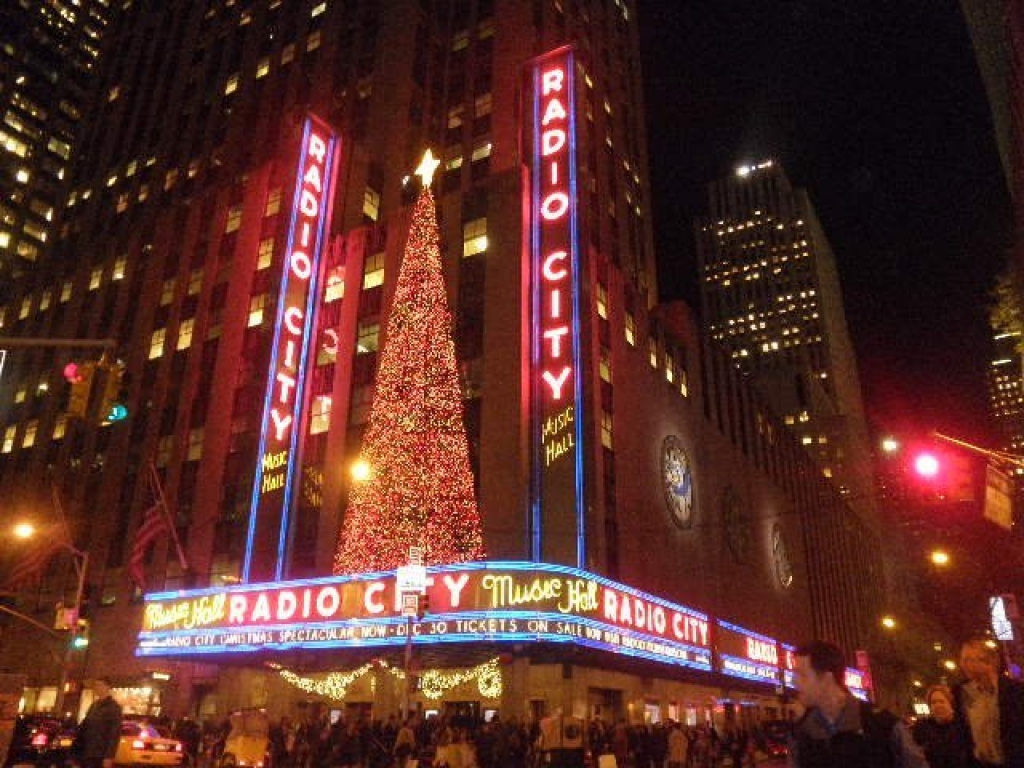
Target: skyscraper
(239, 213)
(49, 51)
(770, 296)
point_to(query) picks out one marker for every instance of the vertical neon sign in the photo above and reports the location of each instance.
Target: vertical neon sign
(557, 501)
(285, 402)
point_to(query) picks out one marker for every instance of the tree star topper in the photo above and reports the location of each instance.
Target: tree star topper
(427, 167)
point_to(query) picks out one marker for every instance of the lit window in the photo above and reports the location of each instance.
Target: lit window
(113, 93)
(273, 202)
(602, 301)
(684, 383)
(195, 281)
(26, 307)
(60, 427)
(185, 333)
(8, 445)
(44, 301)
(317, 10)
(630, 329)
(605, 366)
(195, 444)
(19, 396)
(156, 343)
(95, 278)
(288, 53)
(335, 285)
(474, 237)
(167, 292)
(483, 105)
(256, 305)
(368, 335)
(30, 434)
(313, 41)
(170, 178)
(263, 67)
(232, 85)
(265, 254)
(371, 203)
(454, 163)
(119, 267)
(481, 151)
(5, 239)
(234, 219)
(65, 291)
(373, 271)
(460, 40)
(652, 350)
(606, 430)
(455, 116)
(320, 419)
(670, 368)
(22, 175)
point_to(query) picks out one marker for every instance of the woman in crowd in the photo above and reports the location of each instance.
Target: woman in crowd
(940, 735)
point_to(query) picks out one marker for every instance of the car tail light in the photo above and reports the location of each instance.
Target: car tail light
(177, 747)
(138, 744)
(40, 740)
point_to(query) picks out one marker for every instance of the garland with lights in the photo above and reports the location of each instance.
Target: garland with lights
(433, 682)
(419, 491)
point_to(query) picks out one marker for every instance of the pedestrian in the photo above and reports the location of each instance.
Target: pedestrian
(941, 737)
(678, 747)
(405, 744)
(100, 730)
(837, 730)
(990, 706)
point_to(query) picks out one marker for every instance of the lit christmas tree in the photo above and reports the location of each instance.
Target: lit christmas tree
(419, 486)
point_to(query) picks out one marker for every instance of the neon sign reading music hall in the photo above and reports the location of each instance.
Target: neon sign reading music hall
(558, 513)
(285, 401)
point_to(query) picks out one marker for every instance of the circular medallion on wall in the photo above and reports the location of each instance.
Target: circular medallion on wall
(677, 481)
(737, 525)
(780, 556)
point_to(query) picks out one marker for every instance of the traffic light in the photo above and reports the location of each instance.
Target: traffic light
(111, 406)
(947, 475)
(424, 605)
(81, 638)
(80, 376)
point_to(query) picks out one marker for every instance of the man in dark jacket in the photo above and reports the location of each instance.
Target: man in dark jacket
(100, 729)
(837, 730)
(991, 707)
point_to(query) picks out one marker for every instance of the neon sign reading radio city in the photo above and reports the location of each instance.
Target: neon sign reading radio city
(284, 403)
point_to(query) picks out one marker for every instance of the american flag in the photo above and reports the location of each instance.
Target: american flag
(29, 570)
(153, 526)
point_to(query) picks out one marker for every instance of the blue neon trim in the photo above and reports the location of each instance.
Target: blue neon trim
(574, 244)
(313, 293)
(748, 632)
(282, 292)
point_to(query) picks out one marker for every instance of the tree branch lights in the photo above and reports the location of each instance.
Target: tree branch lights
(433, 682)
(420, 486)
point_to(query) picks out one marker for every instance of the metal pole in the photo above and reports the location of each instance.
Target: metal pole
(81, 563)
(408, 668)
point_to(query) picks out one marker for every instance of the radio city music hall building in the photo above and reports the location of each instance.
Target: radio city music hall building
(238, 216)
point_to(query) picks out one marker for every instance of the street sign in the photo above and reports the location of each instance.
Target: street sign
(412, 578)
(410, 604)
(998, 497)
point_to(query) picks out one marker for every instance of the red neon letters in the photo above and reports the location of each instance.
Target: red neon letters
(556, 261)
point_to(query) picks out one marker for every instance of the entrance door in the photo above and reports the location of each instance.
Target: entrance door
(604, 703)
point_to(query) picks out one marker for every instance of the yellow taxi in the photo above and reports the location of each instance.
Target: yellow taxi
(145, 744)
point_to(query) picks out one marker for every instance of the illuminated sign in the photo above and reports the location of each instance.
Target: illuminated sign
(494, 602)
(746, 654)
(788, 664)
(558, 511)
(285, 400)
(1002, 627)
(858, 684)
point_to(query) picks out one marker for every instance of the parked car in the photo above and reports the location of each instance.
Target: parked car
(41, 741)
(248, 743)
(776, 736)
(147, 744)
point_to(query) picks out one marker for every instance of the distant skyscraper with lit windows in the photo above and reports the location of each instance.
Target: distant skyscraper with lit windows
(48, 50)
(1006, 391)
(770, 297)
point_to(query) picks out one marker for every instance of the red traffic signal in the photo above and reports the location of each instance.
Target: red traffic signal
(948, 475)
(926, 465)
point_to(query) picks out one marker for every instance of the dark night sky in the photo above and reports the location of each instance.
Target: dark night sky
(877, 109)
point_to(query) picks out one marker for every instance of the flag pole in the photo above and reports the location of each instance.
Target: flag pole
(161, 500)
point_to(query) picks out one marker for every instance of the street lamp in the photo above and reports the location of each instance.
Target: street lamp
(81, 561)
(888, 622)
(939, 557)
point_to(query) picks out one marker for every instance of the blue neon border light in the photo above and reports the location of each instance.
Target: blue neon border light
(300, 373)
(536, 527)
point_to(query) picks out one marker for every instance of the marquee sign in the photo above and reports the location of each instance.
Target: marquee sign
(558, 511)
(481, 601)
(284, 404)
(746, 654)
